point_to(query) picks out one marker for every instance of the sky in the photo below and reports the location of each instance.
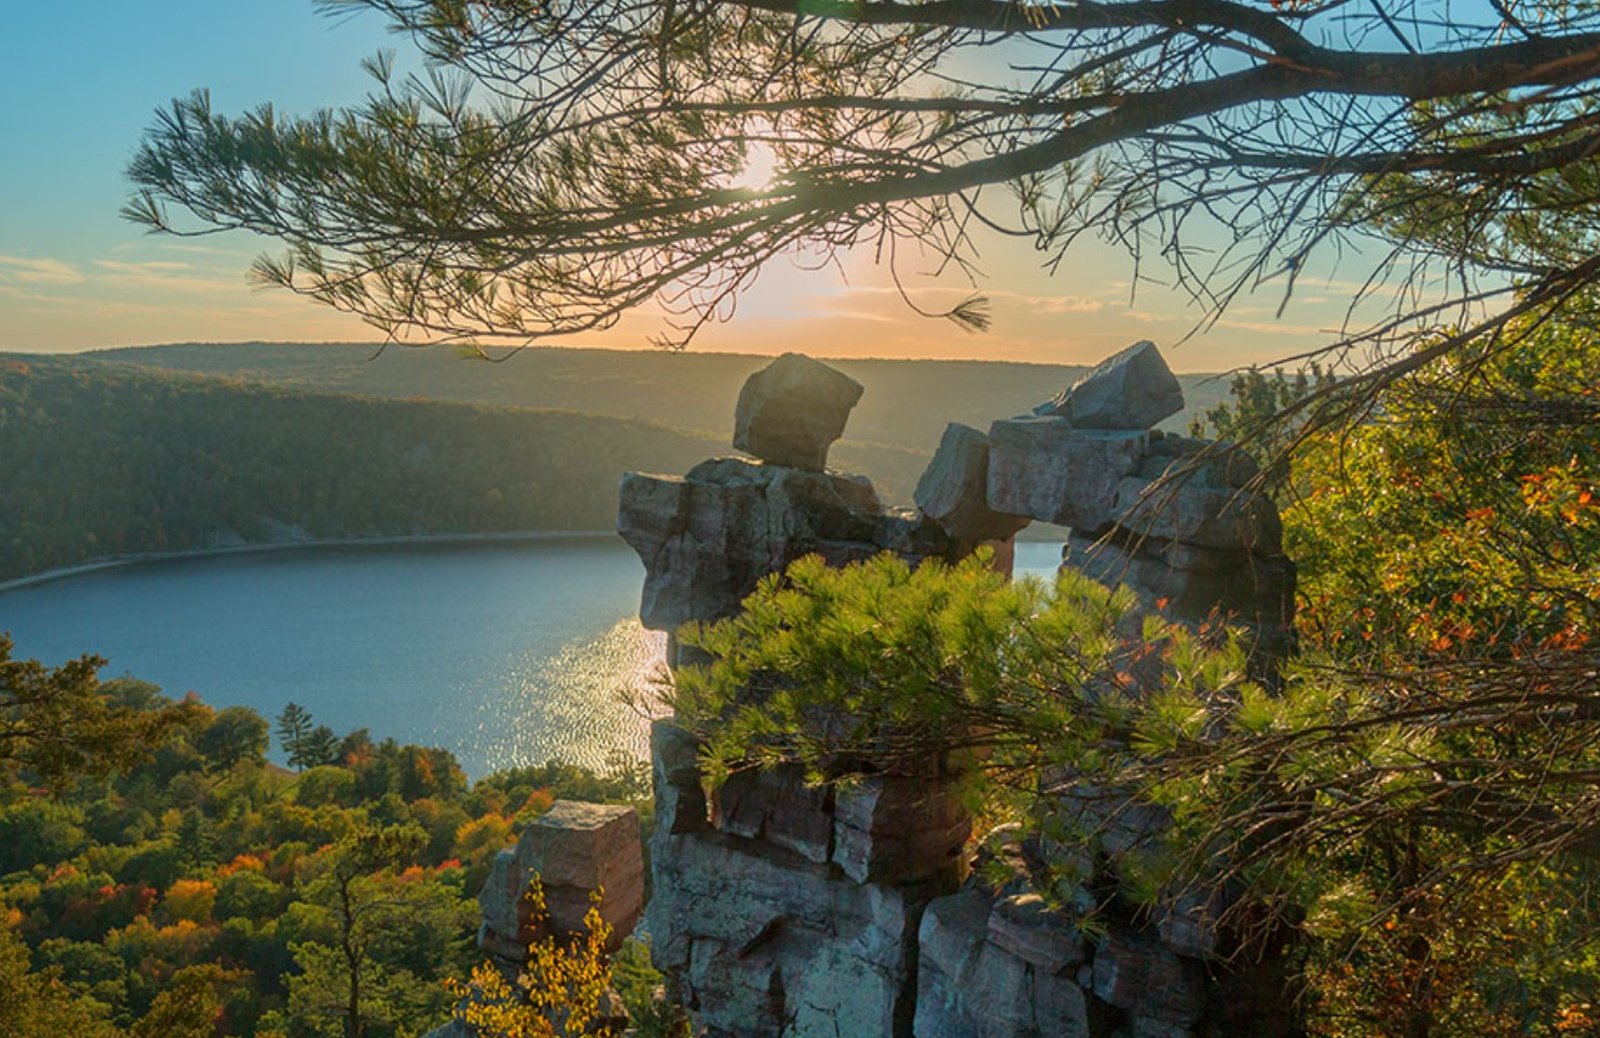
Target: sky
(79, 82)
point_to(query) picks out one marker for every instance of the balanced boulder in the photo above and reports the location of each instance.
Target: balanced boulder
(1132, 389)
(791, 411)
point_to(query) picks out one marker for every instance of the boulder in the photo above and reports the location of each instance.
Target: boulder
(953, 490)
(574, 849)
(707, 537)
(765, 943)
(1186, 582)
(1046, 469)
(1132, 389)
(1026, 927)
(1215, 463)
(1193, 513)
(968, 986)
(791, 411)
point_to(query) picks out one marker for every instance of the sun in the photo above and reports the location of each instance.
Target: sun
(760, 168)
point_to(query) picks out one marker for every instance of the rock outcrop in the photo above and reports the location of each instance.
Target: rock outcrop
(953, 491)
(781, 908)
(574, 849)
(793, 910)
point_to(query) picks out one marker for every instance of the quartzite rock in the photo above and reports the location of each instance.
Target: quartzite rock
(970, 987)
(1210, 517)
(766, 943)
(1044, 938)
(953, 490)
(776, 805)
(574, 849)
(675, 772)
(1135, 973)
(1133, 389)
(1186, 582)
(1046, 469)
(792, 410)
(708, 537)
(896, 829)
(1211, 462)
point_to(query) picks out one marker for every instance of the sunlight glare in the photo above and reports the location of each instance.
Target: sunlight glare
(760, 168)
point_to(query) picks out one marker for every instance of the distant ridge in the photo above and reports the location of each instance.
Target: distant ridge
(906, 405)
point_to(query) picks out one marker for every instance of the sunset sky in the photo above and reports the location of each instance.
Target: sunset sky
(82, 80)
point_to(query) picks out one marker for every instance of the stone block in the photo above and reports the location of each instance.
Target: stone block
(574, 848)
(1135, 973)
(681, 805)
(767, 943)
(707, 538)
(1131, 389)
(1212, 462)
(1046, 469)
(953, 490)
(1186, 582)
(894, 829)
(1194, 514)
(791, 411)
(1046, 939)
(776, 805)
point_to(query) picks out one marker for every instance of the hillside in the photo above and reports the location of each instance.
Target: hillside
(906, 405)
(100, 460)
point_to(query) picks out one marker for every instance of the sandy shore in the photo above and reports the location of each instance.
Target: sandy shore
(114, 562)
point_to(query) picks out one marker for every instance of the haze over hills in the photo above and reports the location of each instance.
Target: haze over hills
(906, 405)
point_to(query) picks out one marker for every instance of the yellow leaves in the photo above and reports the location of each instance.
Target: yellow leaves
(559, 991)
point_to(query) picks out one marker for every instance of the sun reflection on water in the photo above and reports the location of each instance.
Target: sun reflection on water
(589, 700)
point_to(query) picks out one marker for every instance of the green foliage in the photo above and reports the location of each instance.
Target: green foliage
(58, 723)
(135, 889)
(1254, 416)
(1415, 831)
(34, 1005)
(234, 735)
(1464, 518)
(878, 667)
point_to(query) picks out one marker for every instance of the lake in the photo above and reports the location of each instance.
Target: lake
(505, 653)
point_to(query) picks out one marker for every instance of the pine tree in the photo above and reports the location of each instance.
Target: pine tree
(294, 728)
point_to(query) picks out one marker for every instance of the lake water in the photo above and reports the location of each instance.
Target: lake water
(503, 653)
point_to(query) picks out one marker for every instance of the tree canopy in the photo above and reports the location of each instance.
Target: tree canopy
(559, 163)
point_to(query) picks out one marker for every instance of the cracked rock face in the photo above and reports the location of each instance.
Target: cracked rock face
(953, 490)
(791, 411)
(1133, 389)
(707, 537)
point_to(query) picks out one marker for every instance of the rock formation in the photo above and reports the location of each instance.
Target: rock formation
(792, 410)
(786, 909)
(574, 848)
(1133, 389)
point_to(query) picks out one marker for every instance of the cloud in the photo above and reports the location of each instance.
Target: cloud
(31, 271)
(164, 275)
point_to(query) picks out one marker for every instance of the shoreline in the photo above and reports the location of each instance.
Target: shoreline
(116, 562)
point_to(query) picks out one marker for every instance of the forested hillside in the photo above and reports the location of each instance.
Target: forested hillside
(907, 402)
(199, 889)
(98, 461)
